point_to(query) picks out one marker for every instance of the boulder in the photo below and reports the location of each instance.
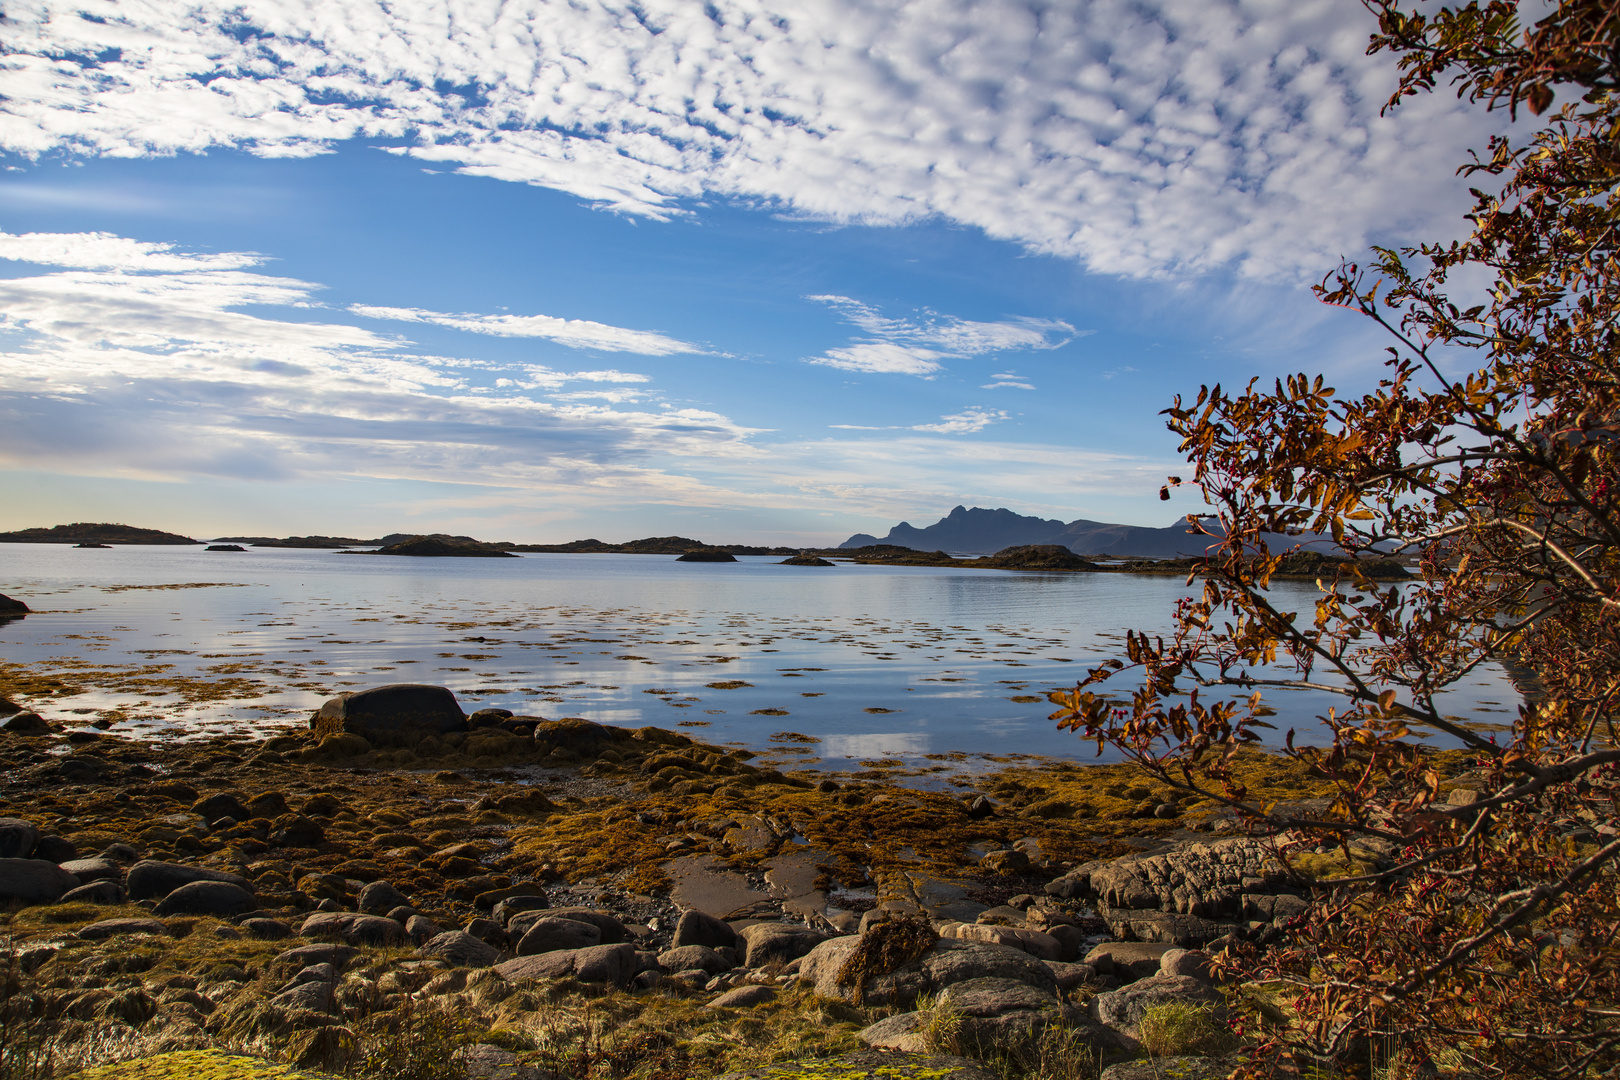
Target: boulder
(207, 898)
(313, 996)
(902, 1031)
(873, 1065)
(1189, 896)
(460, 949)
(12, 606)
(221, 804)
(1031, 941)
(401, 714)
(1189, 962)
(421, 928)
(613, 931)
(553, 935)
(1069, 976)
(701, 928)
(743, 997)
(353, 929)
(1009, 1016)
(97, 892)
(27, 723)
(56, 849)
(778, 941)
(611, 964)
(1128, 960)
(1122, 1010)
(107, 928)
(34, 881)
(694, 957)
(151, 880)
(516, 905)
(96, 869)
(946, 963)
(305, 955)
(379, 898)
(486, 1061)
(17, 838)
(266, 929)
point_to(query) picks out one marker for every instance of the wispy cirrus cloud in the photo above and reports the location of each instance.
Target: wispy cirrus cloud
(575, 333)
(964, 422)
(1139, 137)
(916, 346)
(1008, 380)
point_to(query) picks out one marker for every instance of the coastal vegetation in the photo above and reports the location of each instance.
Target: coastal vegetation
(1483, 941)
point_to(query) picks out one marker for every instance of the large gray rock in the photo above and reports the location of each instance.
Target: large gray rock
(948, 962)
(517, 905)
(95, 869)
(701, 928)
(1189, 896)
(902, 1031)
(17, 838)
(34, 881)
(379, 898)
(460, 949)
(313, 996)
(1122, 1010)
(1128, 960)
(613, 931)
(611, 964)
(400, 714)
(153, 880)
(307, 955)
(97, 892)
(693, 958)
(353, 929)
(778, 941)
(1033, 942)
(555, 935)
(207, 898)
(1009, 1016)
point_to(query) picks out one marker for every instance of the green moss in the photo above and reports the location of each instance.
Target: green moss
(195, 1065)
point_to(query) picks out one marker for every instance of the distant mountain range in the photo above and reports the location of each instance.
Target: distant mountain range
(983, 532)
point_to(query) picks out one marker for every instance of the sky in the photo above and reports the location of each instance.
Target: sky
(758, 272)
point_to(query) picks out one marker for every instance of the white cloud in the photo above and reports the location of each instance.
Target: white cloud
(881, 358)
(1166, 137)
(575, 333)
(915, 346)
(1008, 380)
(965, 422)
(105, 251)
(151, 365)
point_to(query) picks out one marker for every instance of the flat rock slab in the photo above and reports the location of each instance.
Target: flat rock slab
(1129, 960)
(702, 883)
(872, 1065)
(213, 1064)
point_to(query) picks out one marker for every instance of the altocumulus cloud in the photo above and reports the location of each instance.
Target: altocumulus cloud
(142, 350)
(916, 346)
(1140, 137)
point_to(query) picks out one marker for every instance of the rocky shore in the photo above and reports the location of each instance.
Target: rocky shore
(538, 898)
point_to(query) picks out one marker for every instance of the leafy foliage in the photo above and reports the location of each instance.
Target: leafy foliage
(1489, 453)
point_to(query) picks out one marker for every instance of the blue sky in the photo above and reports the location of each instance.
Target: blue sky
(746, 272)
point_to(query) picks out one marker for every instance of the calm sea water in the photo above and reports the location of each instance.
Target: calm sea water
(874, 662)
